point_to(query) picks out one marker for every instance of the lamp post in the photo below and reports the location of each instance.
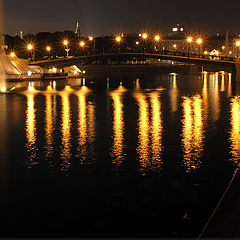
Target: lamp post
(237, 45)
(30, 50)
(199, 42)
(189, 41)
(66, 45)
(48, 48)
(118, 40)
(92, 39)
(157, 39)
(82, 44)
(144, 37)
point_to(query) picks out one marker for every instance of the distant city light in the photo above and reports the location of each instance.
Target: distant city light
(48, 48)
(175, 46)
(137, 43)
(223, 47)
(175, 29)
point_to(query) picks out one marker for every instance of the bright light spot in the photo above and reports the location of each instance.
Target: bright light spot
(3, 89)
(65, 42)
(144, 36)
(238, 43)
(223, 47)
(54, 70)
(30, 47)
(157, 38)
(175, 29)
(139, 34)
(75, 72)
(29, 73)
(137, 43)
(199, 41)
(181, 29)
(48, 48)
(12, 54)
(82, 43)
(230, 52)
(189, 39)
(205, 52)
(174, 45)
(90, 38)
(118, 39)
(84, 72)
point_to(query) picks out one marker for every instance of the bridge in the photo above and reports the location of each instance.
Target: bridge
(219, 63)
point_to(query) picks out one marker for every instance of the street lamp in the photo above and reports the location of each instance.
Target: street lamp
(30, 49)
(237, 45)
(144, 37)
(118, 40)
(189, 41)
(13, 54)
(199, 42)
(92, 39)
(66, 45)
(48, 48)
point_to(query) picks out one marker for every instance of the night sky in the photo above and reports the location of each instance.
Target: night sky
(100, 17)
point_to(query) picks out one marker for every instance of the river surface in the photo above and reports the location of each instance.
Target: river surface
(122, 157)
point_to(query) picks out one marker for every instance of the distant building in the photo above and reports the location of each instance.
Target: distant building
(175, 39)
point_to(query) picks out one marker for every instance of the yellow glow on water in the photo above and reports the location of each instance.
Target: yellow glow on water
(174, 93)
(192, 137)
(144, 129)
(118, 128)
(157, 129)
(229, 85)
(49, 125)
(223, 83)
(66, 131)
(31, 128)
(82, 123)
(3, 89)
(91, 123)
(235, 130)
(205, 96)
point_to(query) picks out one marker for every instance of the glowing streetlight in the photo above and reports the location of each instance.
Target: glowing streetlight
(66, 45)
(90, 38)
(237, 45)
(137, 43)
(189, 41)
(157, 38)
(199, 42)
(48, 48)
(144, 36)
(30, 48)
(82, 44)
(118, 39)
(12, 54)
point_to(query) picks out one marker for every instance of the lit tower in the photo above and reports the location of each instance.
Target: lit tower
(21, 34)
(77, 30)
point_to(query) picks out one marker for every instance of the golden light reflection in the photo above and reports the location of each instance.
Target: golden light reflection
(118, 126)
(31, 128)
(205, 95)
(49, 125)
(192, 138)
(66, 129)
(235, 131)
(174, 93)
(223, 82)
(157, 129)
(82, 122)
(144, 129)
(229, 85)
(91, 123)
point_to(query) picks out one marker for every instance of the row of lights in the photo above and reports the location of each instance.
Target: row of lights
(119, 39)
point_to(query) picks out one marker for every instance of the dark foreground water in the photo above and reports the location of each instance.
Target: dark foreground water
(127, 157)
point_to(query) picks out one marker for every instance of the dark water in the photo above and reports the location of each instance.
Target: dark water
(117, 157)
